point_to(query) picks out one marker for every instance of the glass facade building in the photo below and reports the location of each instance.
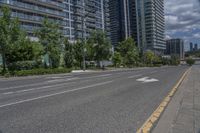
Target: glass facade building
(175, 47)
(141, 19)
(67, 13)
(90, 15)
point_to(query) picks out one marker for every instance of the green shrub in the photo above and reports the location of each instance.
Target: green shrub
(175, 60)
(190, 61)
(22, 65)
(40, 71)
(166, 61)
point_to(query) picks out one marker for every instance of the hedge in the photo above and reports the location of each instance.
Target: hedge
(40, 71)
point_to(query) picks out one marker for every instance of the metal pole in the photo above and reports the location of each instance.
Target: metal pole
(83, 36)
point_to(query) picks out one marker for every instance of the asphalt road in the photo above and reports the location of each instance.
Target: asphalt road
(101, 102)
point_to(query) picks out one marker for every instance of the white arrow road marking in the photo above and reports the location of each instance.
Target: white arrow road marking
(151, 80)
(142, 79)
(147, 80)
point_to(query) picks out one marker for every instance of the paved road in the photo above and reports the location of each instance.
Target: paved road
(102, 102)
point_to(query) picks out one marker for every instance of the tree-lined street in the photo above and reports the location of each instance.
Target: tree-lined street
(110, 101)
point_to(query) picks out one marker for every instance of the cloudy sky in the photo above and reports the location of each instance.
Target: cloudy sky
(183, 20)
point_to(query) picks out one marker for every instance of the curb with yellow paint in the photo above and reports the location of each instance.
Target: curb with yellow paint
(149, 124)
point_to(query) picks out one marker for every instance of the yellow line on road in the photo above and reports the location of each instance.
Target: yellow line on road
(150, 123)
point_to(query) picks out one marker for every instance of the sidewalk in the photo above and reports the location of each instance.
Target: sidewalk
(183, 113)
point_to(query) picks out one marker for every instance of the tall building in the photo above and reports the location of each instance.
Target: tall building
(116, 19)
(141, 19)
(32, 12)
(195, 47)
(89, 15)
(151, 25)
(67, 13)
(191, 47)
(175, 47)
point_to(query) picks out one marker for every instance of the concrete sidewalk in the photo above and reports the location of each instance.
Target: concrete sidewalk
(183, 113)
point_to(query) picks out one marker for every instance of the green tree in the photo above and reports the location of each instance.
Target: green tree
(51, 38)
(78, 53)
(190, 61)
(6, 27)
(175, 60)
(117, 59)
(129, 52)
(14, 44)
(149, 57)
(38, 51)
(99, 43)
(90, 51)
(69, 54)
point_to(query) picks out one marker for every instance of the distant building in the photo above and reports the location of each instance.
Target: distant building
(191, 47)
(195, 47)
(175, 47)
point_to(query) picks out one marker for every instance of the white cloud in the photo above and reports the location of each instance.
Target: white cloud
(182, 17)
(197, 35)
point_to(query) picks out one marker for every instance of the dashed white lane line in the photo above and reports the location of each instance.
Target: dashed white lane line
(54, 80)
(58, 77)
(8, 93)
(99, 76)
(153, 72)
(39, 88)
(61, 80)
(135, 76)
(54, 94)
(21, 86)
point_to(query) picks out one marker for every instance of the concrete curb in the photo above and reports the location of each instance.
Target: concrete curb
(152, 120)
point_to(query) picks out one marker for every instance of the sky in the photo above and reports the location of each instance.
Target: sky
(183, 20)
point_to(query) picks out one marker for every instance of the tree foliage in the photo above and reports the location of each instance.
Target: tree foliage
(117, 59)
(149, 57)
(190, 61)
(50, 37)
(175, 60)
(99, 47)
(78, 53)
(68, 53)
(7, 26)
(129, 52)
(14, 44)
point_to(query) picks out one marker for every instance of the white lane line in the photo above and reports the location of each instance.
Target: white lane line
(153, 72)
(54, 77)
(58, 77)
(39, 88)
(8, 93)
(54, 94)
(99, 76)
(61, 80)
(35, 84)
(135, 76)
(56, 80)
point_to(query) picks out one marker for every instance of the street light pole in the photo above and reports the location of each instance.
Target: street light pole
(83, 25)
(83, 36)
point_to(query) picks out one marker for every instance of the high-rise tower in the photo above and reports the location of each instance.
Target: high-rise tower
(141, 19)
